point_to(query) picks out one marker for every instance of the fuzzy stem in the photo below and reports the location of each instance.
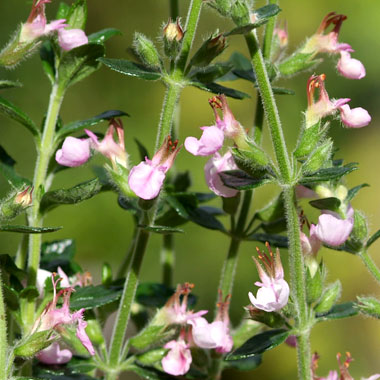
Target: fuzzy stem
(35, 219)
(174, 9)
(127, 299)
(370, 264)
(297, 278)
(128, 257)
(3, 335)
(167, 259)
(175, 79)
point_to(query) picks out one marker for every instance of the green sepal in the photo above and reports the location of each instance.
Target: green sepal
(152, 356)
(369, 306)
(329, 297)
(255, 156)
(297, 62)
(314, 284)
(150, 335)
(33, 344)
(77, 15)
(146, 50)
(339, 311)
(130, 68)
(359, 234)
(318, 157)
(271, 319)
(308, 140)
(240, 13)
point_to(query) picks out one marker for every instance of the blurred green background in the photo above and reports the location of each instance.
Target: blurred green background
(102, 230)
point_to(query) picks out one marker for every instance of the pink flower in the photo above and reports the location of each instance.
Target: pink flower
(36, 25)
(56, 318)
(54, 355)
(74, 152)
(291, 341)
(216, 334)
(323, 106)
(213, 137)
(109, 148)
(350, 68)
(333, 230)
(71, 38)
(333, 375)
(282, 36)
(213, 167)
(175, 311)
(273, 294)
(305, 192)
(310, 245)
(146, 179)
(354, 118)
(177, 361)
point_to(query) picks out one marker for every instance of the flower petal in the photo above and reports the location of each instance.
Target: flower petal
(210, 142)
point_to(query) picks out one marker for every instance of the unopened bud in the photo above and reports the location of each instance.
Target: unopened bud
(222, 6)
(173, 35)
(314, 280)
(341, 192)
(281, 34)
(24, 198)
(240, 13)
(318, 157)
(146, 50)
(323, 191)
(209, 50)
(152, 357)
(329, 297)
(271, 319)
(15, 204)
(360, 230)
(369, 306)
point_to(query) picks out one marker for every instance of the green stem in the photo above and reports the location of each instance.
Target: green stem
(176, 77)
(174, 9)
(128, 257)
(22, 252)
(167, 259)
(127, 299)
(35, 219)
(3, 335)
(270, 107)
(370, 264)
(296, 266)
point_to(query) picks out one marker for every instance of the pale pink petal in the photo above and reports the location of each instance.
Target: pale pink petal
(55, 25)
(213, 167)
(210, 142)
(333, 375)
(83, 337)
(71, 38)
(146, 180)
(333, 231)
(354, 118)
(373, 377)
(74, 152)
(178, 360)
(350, 68)
(54, 355)
(65, 283)
(305, 192)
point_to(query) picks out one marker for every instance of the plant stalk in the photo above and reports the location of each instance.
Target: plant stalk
(370, 264)
(167, 259)
(35, 219)
(3, 335)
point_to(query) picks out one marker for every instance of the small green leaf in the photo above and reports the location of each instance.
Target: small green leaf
(7, 265)
(77, 15)
(33, 344)
(63, 11)
(343, 310)
(308, 140)
(142, 150)
(262, 16)
(283, 91)
(218, 89)
(259, 343)
(152, 356)
(9, 84)
(279, 241)
(30, 293)
(247, 364)
(103, 35)
(352, 192)
(297, 62)
(330, 203)
(89, 297)
(11, 297)
(237, 179)
(205, 218)
(328, 174)
(47, 57)
(373, 238)
(79, 125)
(210, 73)
(78, 63)
(152, 294)
(9, 109)
(147, 373)
(76, 194)
(161, 229)
(28, 229)
(130, 68)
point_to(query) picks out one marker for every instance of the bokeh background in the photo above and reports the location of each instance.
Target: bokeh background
(103, 231)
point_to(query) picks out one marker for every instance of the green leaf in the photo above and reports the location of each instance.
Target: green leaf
(259, 343)
(330, 203)
(78, 63)
(343, 310)
(89, 297)
(30, 293)
(237, 179)
(210, 73)
(7, 164)
(218, 89)
(76, 194)
(161, 229)
(352, 192)
(151, 294)
(103, 35)
(373, 238)
(9, 84)
(47, 57)
(130, 68)
(327, 174)
(205, 218)
(63, 11)
(77, 15)
(11, 298)
(7, 265)
(148, 374)
(58, 253)
(279, 241)
(142, 150)
(27, 229)
(9, 109)
(262, 14)
(79, 125)
(273, 210)
(247, 364)
(283, 91)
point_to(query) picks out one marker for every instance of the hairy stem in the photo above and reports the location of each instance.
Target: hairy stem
(3, 335)
(128, 257)
(174, 9)
(35, 219)
(167, 259)
(370, 264)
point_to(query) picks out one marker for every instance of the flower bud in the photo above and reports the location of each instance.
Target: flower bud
(74, 152)
(369, 306)
(240, 13)
(314, 282)
(318, 157)
(360, 230)
(146, 50)
(24, 198)
(329, 297)
(15, 204)
(152, 357)
(173, 35)
(271, 319)
(209, 50)
(222, 6)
